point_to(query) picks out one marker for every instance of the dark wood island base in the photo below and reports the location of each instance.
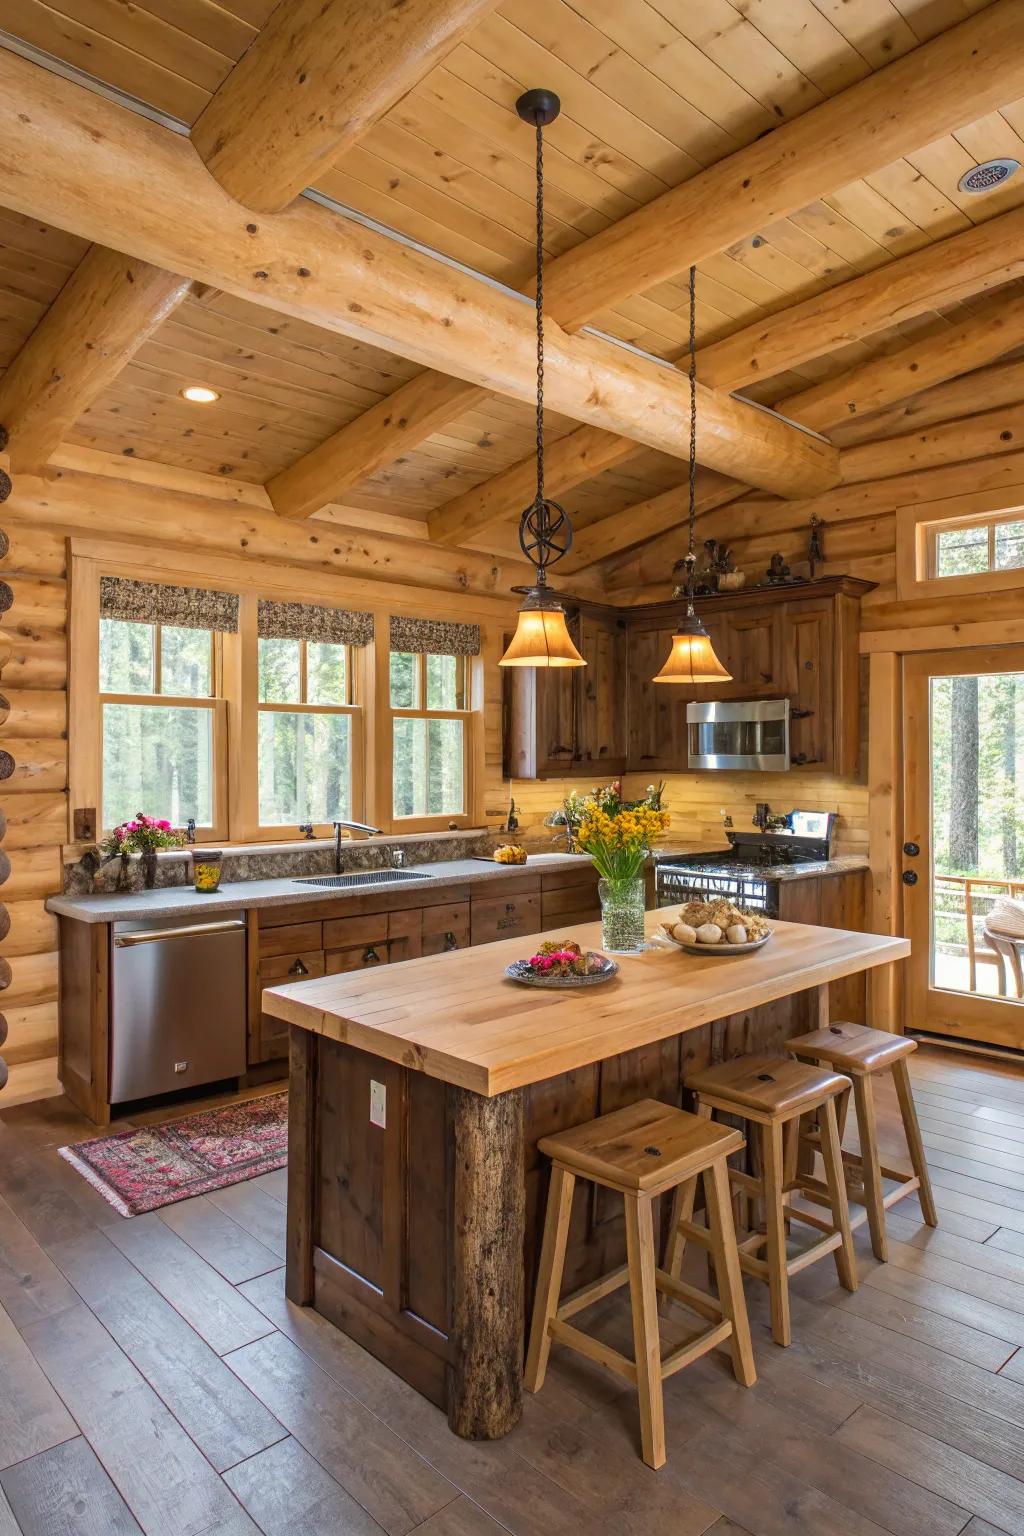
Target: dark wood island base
(419, 1238)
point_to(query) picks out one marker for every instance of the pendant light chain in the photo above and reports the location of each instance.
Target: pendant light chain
(691, 557)
(540, 505)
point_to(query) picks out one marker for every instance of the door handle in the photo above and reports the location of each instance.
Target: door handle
(910, 877)
(911, 850)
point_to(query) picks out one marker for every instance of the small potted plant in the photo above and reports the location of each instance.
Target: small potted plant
(145, 835)
(618, 836)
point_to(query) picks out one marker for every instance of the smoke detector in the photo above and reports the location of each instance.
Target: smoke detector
(991, 173)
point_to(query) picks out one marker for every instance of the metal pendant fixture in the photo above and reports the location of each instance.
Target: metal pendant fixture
(692, 658)
(542, 636)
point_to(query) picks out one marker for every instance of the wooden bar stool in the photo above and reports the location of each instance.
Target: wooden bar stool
(862, 1053)
(772, 1093)
(642, 1151)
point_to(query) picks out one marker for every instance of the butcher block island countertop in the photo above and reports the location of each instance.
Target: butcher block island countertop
(458, 1018)
(419, 1092)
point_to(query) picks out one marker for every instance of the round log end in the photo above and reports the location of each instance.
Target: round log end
(3, 1073)
(6, 596)
(7, 764)
(5, 544)
(6, 487)
(3, 1029)
(5, 922)
(5, 974)
(5, 867)
(5, 437)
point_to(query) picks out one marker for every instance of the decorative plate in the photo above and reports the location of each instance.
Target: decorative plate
(719, 949)
(521, 971)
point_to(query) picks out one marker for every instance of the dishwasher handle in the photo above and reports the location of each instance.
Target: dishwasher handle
(192, 931)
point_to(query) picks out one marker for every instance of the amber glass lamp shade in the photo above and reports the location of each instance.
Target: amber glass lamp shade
(692, 658)
(541, 639)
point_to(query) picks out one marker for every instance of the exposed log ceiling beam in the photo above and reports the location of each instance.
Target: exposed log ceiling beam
(318, 75)
(69, 155)
(996, 326)
(944, 273)
(956, 78)
(108, 307)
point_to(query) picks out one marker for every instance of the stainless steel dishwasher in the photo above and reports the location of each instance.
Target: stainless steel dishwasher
(178, 990)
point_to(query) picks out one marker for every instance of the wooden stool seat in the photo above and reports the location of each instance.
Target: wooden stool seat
(852, 1047)
(769, 1085)
(773, 1093)
(645, 1146)
(642, 1151)
(862, 1053)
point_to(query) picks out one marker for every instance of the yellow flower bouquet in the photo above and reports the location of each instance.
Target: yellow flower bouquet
(619, 843)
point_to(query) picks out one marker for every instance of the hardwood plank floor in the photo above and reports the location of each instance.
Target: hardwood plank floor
(153, 1378)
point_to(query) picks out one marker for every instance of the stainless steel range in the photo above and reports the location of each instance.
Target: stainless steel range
(747, 873)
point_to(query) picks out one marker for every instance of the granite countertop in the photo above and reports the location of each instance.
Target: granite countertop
(184, 901)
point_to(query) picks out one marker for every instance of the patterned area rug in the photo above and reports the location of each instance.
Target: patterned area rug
(153, 1165)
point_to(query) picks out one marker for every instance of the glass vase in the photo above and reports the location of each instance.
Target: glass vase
(622, 915)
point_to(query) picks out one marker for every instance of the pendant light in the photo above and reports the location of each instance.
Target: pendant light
(542, 637)
(692, 658)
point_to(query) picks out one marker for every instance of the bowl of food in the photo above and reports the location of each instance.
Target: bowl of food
(562, 964)
(716, 927)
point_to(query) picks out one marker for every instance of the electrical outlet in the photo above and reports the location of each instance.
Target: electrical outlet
(378, 1104)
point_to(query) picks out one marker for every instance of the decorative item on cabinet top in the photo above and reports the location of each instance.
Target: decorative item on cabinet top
(798, 642)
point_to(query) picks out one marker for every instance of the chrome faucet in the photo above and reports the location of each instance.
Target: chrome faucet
(350, 826)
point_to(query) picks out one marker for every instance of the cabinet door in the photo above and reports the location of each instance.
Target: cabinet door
(270, 1041)
(601, 686)
(656, 712)
(752, 651)
(539, 724)
(445, 928)
(808, 681)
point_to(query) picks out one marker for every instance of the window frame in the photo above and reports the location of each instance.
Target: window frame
(991, 523)
(89, 559)
(352, 708)
(467, 715)
(917, 531)
(214, 701)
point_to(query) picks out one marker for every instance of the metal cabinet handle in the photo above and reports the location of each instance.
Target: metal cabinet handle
(370, 956)
(297, 968)
(450, 941)
(157, 935)
(510, 906)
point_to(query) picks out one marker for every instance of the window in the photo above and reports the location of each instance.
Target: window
(973, 549)
(429, 698)
(162, 723)
(306, 736)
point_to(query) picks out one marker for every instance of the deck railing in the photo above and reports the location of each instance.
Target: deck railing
(971, 897)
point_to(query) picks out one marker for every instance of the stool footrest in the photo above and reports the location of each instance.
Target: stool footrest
(688, 1295)
(695, 1348)
(585, 1297)
(585, 1344)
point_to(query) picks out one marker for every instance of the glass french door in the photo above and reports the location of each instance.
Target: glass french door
(963, 852)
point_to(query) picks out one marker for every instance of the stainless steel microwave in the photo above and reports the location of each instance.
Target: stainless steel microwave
(739, 734)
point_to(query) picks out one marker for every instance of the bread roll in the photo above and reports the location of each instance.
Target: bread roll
(736, 934)
(709, 933)
(684, 934)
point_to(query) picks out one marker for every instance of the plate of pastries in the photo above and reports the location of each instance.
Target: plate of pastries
(716, 927)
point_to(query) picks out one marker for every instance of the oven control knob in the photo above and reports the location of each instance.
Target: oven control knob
(910, 877)
(911, 850)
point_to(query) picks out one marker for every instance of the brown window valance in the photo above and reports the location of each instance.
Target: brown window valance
(151, 602)
(309, 621)
(435, 637)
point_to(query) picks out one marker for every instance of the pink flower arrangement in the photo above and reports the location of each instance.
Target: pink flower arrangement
(143, 835)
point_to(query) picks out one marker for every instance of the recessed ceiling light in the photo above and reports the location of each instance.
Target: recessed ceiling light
(200, 394)
(991, 173)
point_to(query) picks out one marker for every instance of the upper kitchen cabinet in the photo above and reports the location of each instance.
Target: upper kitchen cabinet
(564, 721)
(798, 642)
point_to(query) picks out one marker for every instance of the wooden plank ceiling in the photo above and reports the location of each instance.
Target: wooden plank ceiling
(653, 91)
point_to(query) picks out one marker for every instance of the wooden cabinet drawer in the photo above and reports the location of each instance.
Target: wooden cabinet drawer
(290, 939)
(340, 932)
(277, 969)
(359, 957)
(504, 918)
(446, 928)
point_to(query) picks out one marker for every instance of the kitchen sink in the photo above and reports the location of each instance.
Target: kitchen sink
(362, 877)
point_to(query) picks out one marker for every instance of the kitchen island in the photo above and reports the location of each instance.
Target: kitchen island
(418, 1095)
